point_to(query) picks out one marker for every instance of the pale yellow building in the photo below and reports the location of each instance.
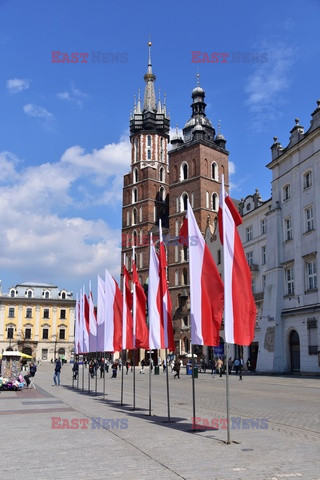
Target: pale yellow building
(38, 319)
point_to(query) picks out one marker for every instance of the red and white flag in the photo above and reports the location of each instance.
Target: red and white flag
(101, 315)
(240, 309)
(140, 328)
(92, 324)
(159, 302)
(85, 322)
(206, 287)
(113, 315)
(77, 326)
(127, 326)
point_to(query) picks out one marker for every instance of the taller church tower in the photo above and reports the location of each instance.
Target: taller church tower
(146, 187)
(197, 162)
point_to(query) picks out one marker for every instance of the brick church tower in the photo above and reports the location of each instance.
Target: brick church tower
(146, 187)
(196, 164)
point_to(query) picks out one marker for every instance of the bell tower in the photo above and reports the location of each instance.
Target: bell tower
(146, 186)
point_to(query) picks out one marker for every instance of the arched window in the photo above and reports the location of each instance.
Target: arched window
(134, 238)
(176, 278)
(185, 254)
(149, 155)
(185, 276)
(149, 141)
(134, 217)
(29, 293)
(162, 194)
(134, 195)
(214, 171)
(207, 199)
(307, 180)
(135, 175)
(184, 202)
(214, 202)
(286, 192)
(46, 294)
(136, 149)
(63, 295)
(12, 292)
(184, 171)
(161, 174)
(161, 150)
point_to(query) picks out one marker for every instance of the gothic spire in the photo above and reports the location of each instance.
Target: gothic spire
(149, 101)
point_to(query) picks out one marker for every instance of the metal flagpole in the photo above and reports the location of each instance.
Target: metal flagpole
(150, 381)
(78, 372)
(73, 372)
(193, 387)
(134, 379)
(104, 376)
(82, 372)
(96, 385)
(227, 394)
(167, 375)
(122, 378)
(89, 378)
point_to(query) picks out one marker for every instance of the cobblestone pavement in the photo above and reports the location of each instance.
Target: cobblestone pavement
(122, 442)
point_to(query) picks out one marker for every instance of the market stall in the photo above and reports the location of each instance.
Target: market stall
(10, 376)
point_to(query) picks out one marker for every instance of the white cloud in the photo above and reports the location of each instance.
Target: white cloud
(36, 111)
(42, 234)
(16, 85)
(75, 95)
(266, 85)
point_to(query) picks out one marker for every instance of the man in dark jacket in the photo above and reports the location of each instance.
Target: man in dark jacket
(57, 370)
(31, 374)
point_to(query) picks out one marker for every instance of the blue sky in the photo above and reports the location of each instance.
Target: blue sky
(64, 126)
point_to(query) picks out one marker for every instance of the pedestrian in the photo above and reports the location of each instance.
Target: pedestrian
(114, 370)
(219, 366)
(240, 368)
(203, 365)
(176, 368)
(75, 370)
(230, 363)
(31, 374)
(107, 363)
(164, 365)
(91, 368)
(127, 367)
(213, 366)
(142, 363)
(57, 371)
(236, 365)
(120, 364)
(102, 368)
(249, 365)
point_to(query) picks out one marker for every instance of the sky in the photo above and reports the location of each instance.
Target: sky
(64, 127)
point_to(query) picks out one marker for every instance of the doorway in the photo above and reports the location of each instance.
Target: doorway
(294, 343)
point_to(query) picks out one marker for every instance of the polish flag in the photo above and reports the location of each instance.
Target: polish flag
(101, 315)
(127, 327)
(85, 323)
(240, 309)
(206, 288)
(77, 348)
(159, 302)
(113, 315)
(140, 328)
(92, 323)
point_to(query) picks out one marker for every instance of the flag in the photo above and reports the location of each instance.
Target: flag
(140, 328)
(77, 327)
(159, 302)
(101, 315)
(206, 288)
(127, 326)
(85, 322)
(92, 324)
(240, 309)
(113, 315)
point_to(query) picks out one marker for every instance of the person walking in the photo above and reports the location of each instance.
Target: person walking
(57, 371)
(236, 365)
(114, 370)
(91, 368)
(75, 370)
(230, 363)
(240, 368)
(176, 368)
(127, 367)
(142, 363)
(31, 374)
(220, 366)
(102, 368)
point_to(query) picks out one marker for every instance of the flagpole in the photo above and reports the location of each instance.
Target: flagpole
(193, 386)
(78, 372)
(167, 375)
(134, 379)
(96, 386)
(227, 394)
(89, 378)
(104, 376)
(122, 378)
(82, 372)
(149, 381)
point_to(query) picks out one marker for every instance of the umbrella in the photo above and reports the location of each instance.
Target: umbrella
(15, 354)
